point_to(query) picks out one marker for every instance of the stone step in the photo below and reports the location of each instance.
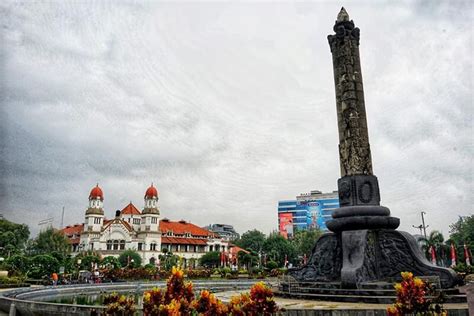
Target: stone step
(354, 298)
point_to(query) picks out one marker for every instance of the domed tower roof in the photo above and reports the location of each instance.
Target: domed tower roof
(96, 193)
(151, 201)
(151, 192)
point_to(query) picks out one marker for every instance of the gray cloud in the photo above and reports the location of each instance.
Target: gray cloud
(228, 108)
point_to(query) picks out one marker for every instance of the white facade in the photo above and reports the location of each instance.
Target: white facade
(143, 231)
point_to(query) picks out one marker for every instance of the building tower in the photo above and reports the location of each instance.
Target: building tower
(95, 212)
(151, 213)
(94, 219)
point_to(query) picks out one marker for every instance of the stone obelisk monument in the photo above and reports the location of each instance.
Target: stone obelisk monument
(364, 246)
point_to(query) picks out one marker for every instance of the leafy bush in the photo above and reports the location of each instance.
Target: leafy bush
(411, 298)
(207, 304)
(259, 302)
(119, 305)
(463, 269)
(275, 273)
(178, 299)
(271, 265)
(224, 272)
(12, 280)
(200, 273)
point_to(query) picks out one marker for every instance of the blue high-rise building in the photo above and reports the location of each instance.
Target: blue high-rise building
(309, 210)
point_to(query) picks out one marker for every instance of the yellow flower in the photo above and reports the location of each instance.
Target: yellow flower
(398, 287)
(418, 282)
(407, 275)
(147, 296)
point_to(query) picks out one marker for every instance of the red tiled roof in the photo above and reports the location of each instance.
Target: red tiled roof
(130, 209)
(74, 229)
(183, 241)
(182, 227)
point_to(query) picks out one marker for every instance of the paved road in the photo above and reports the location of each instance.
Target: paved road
(289, 303)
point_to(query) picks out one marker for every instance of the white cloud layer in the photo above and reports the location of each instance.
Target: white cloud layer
(228, 107)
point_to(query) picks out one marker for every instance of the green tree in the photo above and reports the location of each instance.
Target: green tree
(43, 266)
(304, 241)
(210, 259)
(18, 264)
(88, 261)
(436, 240)
(168, 260)
(12, 238)
(130, 259)
(111, 262)
(462, 232)
(50, 241)
(249, 260)
(277, 247)
(251, 240)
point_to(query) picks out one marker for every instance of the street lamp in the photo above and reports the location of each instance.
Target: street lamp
(79, 261)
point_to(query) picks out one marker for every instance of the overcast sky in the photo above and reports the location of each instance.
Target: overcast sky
(228, 107)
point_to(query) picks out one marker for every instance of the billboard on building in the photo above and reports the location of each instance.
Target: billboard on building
(286, 224)
(315, 210)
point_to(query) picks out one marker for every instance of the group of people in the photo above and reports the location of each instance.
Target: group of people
(82, 277)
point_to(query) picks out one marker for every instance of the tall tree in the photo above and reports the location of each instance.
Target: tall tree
(50, 241)
(436, 240)
(305, 240)
(210, 259)
(276, 247)
(251, 240)
(12, 237)
(462, 232)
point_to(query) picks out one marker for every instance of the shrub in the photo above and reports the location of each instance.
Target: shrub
(119, 305)
(178, 299)
(224, 272)
(208, 305)
(411, 298)
(201, 273)
(463, 269)
(11, 280)
(271, 265)
(259, 302)
(275, 273)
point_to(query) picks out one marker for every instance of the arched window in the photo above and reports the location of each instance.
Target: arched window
(116, 244)
(122, 244)
(109, 244)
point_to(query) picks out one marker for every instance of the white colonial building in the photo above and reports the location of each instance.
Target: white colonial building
(143, 231)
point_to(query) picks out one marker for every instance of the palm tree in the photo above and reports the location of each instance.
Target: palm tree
(435, 240)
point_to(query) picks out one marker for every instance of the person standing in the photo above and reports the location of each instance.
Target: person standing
(54, 276)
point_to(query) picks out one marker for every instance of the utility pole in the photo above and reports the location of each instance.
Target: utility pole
(423, 222)
(420, 227)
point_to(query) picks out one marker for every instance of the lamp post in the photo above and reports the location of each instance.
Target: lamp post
(79, 261)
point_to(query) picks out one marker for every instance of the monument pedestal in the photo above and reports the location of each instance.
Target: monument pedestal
(356, 257)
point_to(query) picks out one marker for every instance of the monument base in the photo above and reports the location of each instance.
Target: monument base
(355, 257)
